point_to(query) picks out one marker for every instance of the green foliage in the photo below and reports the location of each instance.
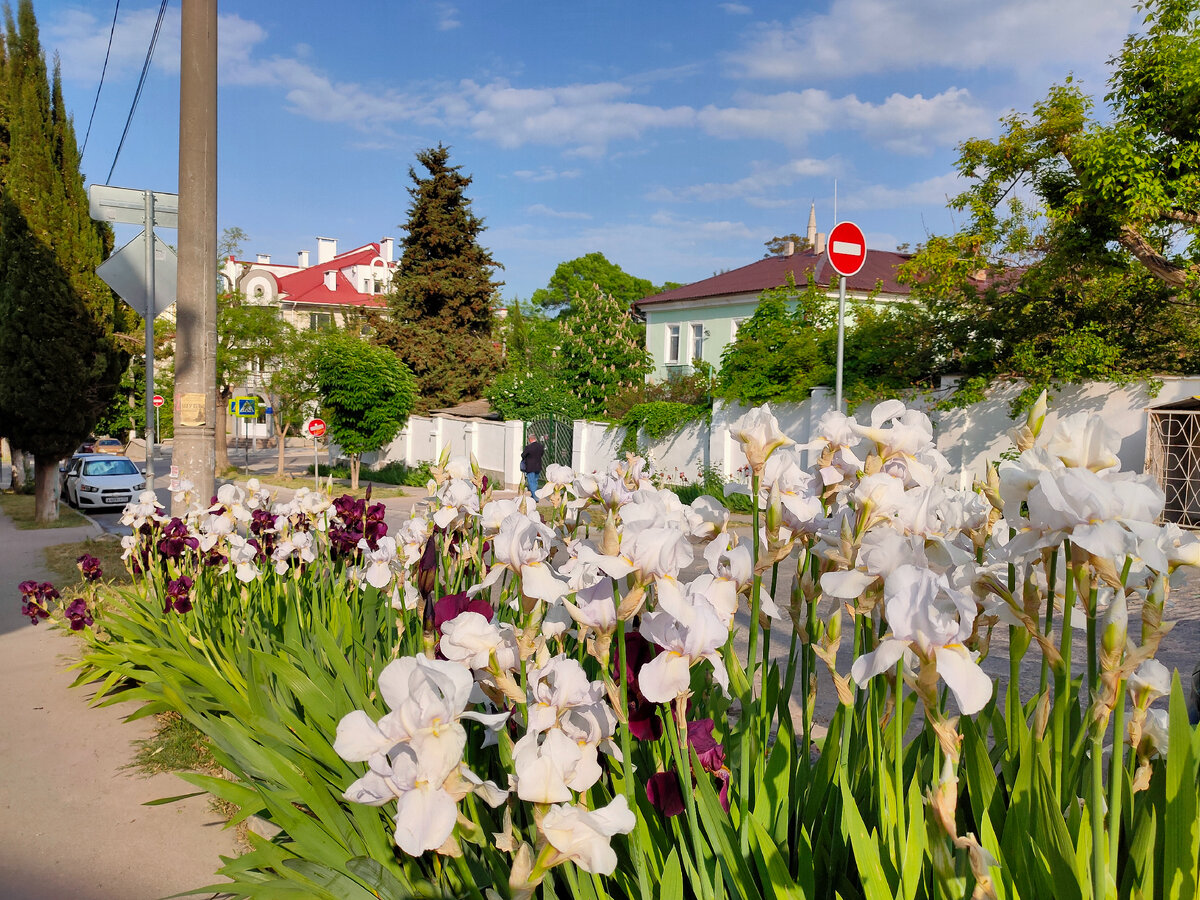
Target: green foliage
(659, 419)
(366, 393)
(779, 352)
(583, 277)
(442, 291)
(533, 395)
(695, 389)
(57, 317)
(601, 351)
(392, 473)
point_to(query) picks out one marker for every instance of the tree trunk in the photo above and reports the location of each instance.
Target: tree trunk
(45, 491)
(18, 470)
(222, 455)
(281, 437)
(355, 460)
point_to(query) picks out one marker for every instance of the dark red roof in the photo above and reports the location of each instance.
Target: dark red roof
(308, 285)
(879, 269)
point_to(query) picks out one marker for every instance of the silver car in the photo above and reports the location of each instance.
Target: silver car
(96, 480)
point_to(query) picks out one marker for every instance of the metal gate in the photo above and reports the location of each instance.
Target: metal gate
(556, 434)
(1173, 458)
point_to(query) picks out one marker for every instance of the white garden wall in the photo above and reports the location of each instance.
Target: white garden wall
(496, 446)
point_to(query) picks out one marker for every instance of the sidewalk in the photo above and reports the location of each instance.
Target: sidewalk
(72, 823)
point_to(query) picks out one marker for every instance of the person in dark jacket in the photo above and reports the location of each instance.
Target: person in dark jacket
(531, 462)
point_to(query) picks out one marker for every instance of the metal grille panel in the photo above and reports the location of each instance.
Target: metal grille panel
(1173, 458)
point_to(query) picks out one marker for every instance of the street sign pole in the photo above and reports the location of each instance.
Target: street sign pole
(841, 339)
(316, 465)
(149, 315)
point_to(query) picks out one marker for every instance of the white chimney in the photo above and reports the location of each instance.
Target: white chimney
(789, 248)
(331, 279)
(819, 246)
(264, 258)
(385, 249)
(326, 249)
(302, 259)
(811, 234)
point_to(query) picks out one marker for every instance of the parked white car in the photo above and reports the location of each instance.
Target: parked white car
(96, 480)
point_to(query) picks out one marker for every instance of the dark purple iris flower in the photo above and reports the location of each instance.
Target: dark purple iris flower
(176, 539)
(644, 723)
(179, 595)
(89, 566)
(664, 793)
(77, 614)
(35, 599)
(454, 604)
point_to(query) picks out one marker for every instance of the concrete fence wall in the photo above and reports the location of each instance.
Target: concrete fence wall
(970, 438)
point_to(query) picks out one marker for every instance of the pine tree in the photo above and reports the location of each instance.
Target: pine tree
(59, 363)
(442, 292)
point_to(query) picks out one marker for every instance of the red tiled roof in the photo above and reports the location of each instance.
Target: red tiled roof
(308, 286)
(880, 268)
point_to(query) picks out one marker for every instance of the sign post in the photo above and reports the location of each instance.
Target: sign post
(314, 428)
(847, 251)
(140, 288)
(158, 402)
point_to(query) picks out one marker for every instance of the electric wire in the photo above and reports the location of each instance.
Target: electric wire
(162, 11)
(103, 70)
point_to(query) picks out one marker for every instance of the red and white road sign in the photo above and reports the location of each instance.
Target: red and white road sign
(314, 428)
(847, 248)
(158, 400)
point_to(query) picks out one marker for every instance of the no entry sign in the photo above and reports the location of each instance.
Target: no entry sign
(847, 248)
(158, 400)
(314, 428)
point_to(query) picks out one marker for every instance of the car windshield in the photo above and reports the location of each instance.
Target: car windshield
(109, 467)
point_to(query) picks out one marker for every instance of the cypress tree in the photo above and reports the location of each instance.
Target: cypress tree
(441, 295)
(59, 362)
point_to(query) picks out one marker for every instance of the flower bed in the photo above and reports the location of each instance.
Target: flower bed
(492, 703)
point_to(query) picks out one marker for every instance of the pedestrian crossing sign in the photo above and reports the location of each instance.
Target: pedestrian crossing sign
(244, 407)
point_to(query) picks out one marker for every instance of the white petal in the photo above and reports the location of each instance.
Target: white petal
(359, 738)
(970, 685)
(665, 677)
(424, 819)
(881, 659)
(538, 582)
(847, 585)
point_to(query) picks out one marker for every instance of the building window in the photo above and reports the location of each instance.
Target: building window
(733, 329)
(697, 342)
(672, 344)
(320, 321)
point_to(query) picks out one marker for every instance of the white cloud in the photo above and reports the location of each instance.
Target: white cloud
(736, 9)
(930, 192)
(864, 36)
(447, 16)
(81, 38)
(585, 117)
(540, 209)
(760, 188)
(546, 173)
(904, 124)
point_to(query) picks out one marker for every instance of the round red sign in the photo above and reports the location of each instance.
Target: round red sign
(315, 427)
(158, 400)
(847, 248)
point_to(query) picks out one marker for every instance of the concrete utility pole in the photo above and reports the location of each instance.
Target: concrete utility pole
(196, 335)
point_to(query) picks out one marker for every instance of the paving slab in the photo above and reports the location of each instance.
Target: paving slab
(72, 821)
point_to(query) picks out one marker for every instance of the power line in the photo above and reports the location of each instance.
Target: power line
(162, 11)
(103, 70)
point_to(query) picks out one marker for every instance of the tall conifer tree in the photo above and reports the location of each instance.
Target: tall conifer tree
(442, 292)
(59, 363)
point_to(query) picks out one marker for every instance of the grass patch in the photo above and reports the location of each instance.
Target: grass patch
(61, 559)
(20, 508)
(392, 473)
(177, 746)
(378, 491)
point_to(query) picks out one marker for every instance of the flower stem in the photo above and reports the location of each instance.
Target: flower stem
(898, 763)
(1062, 680)
(1099, 867)
(747, 702)
(1051, 583)
(639, 859)
(1116, 777)
(684, 768)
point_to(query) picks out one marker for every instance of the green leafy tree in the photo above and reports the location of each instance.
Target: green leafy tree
(287, 367)
(61, 366)
(442, 291)
(582, 277)
(778, 244)
(601, 351)
(531, 395)
(778, 354)
(1078, 258)
(366, 395)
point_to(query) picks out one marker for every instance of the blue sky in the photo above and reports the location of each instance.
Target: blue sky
(674, 137)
